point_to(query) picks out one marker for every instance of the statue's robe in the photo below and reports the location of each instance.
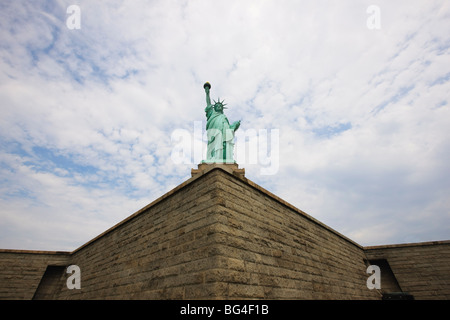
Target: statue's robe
(220, 136)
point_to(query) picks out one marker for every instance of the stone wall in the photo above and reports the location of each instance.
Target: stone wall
(164, 251)
(421, 269)
(21, 271)
(220, 236)
(271, 250)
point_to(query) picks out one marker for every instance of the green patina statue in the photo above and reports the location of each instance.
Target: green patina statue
(219, 131)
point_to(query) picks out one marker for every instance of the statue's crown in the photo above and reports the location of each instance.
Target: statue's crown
(220, 103)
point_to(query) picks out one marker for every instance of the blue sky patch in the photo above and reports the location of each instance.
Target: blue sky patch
(331, 131)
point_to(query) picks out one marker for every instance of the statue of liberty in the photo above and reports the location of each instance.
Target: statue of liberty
(219, 131)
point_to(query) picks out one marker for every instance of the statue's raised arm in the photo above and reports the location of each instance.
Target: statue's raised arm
(207, 86)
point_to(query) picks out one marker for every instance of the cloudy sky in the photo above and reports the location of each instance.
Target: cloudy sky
(358, 92)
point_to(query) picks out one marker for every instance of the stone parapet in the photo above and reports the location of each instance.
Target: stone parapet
(232, 168)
